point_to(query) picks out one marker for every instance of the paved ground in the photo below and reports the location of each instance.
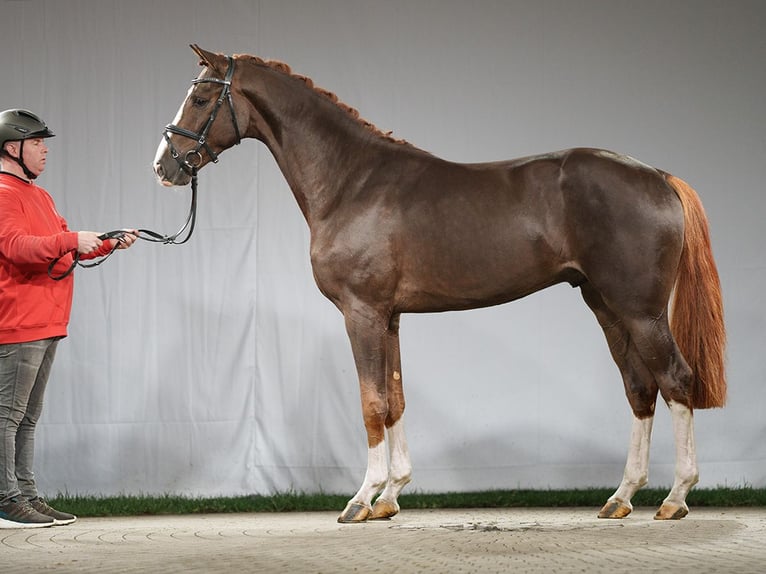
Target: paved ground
(451, 541)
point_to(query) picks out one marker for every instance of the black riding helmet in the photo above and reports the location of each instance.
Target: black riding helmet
(20, 125)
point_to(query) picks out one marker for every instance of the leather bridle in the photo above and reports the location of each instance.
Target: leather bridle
(193, 158)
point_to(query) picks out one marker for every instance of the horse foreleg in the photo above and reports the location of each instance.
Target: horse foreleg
(686, 472)
(400, 468)
(367, 331)
(636, 473)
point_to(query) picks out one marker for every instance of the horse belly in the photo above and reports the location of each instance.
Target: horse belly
(480, 270)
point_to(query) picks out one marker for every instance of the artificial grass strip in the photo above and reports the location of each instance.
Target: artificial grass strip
(136, 505)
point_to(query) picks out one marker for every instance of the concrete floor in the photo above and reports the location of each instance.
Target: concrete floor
(452, 541)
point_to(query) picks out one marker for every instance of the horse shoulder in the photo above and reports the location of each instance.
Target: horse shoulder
(351, 256)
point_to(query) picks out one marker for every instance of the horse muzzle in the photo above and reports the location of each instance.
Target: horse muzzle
(170, 173)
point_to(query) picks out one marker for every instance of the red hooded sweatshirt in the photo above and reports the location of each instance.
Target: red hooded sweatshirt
(32, 233)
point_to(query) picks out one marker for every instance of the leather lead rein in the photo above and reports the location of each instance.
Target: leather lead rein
(143, 234)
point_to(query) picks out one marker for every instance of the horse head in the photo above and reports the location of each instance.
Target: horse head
(197, 134)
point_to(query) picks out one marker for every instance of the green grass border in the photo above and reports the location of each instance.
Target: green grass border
(137, 505)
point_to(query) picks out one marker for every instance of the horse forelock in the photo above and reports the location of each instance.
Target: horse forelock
(331, 96)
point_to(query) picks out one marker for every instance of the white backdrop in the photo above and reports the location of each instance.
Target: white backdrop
(217, 367)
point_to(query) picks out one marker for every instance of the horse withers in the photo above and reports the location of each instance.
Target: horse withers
(395, 230)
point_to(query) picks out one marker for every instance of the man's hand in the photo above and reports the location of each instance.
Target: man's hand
(88, 242)
(126, 238)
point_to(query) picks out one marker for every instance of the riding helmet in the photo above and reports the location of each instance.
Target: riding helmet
(19, 124)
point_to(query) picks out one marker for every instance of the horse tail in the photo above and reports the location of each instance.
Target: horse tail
(697, 313)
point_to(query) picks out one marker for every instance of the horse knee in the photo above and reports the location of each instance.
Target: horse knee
(395, 412)
(374, 412)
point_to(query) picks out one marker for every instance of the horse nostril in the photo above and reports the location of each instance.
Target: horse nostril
(159, 171)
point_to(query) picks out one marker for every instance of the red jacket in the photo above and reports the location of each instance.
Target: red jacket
(32, 233)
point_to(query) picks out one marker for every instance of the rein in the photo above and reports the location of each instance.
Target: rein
(190, 163)
(148, 235)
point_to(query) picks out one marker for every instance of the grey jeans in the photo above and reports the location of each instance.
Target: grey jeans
(24, 370)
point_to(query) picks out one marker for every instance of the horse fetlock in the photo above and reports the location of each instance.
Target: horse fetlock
(690, 477)
(632, 482)
(401, 478)
(374, 484)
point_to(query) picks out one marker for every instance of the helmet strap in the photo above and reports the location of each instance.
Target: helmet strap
(20, 160)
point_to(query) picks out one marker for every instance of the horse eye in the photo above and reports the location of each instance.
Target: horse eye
(198, 102)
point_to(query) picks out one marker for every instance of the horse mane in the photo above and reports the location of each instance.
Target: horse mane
(353, 112)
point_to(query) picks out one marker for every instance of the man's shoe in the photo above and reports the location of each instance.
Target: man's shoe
(18, 513)
(59, 518)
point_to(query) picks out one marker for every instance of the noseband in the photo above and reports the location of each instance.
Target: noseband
(193, 158)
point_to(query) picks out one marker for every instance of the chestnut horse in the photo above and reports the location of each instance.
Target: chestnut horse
(397, 230)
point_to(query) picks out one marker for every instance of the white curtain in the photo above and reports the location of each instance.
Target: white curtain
(217, 367)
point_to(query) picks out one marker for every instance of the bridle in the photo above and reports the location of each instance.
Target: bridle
(201, 138)
(190, 163)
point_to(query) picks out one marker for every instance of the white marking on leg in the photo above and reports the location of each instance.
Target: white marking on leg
(400, 471)
(636, 472)
(375, 477)
(686, 472)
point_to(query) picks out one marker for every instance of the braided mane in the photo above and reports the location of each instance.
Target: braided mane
(353, 112)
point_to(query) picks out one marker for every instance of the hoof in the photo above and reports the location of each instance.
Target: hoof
(384, 509)
(615, 509)
(671, 511)
(355, 512)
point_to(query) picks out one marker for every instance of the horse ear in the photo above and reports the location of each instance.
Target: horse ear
(209, 59)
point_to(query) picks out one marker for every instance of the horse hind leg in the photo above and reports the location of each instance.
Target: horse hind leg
(662, 357)
(641, 390)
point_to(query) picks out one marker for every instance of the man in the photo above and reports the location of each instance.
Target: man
(34, 308)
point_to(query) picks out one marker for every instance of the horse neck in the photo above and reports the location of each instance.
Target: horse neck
(319, 147)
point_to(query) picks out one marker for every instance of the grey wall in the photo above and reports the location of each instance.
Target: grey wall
(218, 368)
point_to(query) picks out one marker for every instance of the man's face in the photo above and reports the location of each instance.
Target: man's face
(35, 153)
